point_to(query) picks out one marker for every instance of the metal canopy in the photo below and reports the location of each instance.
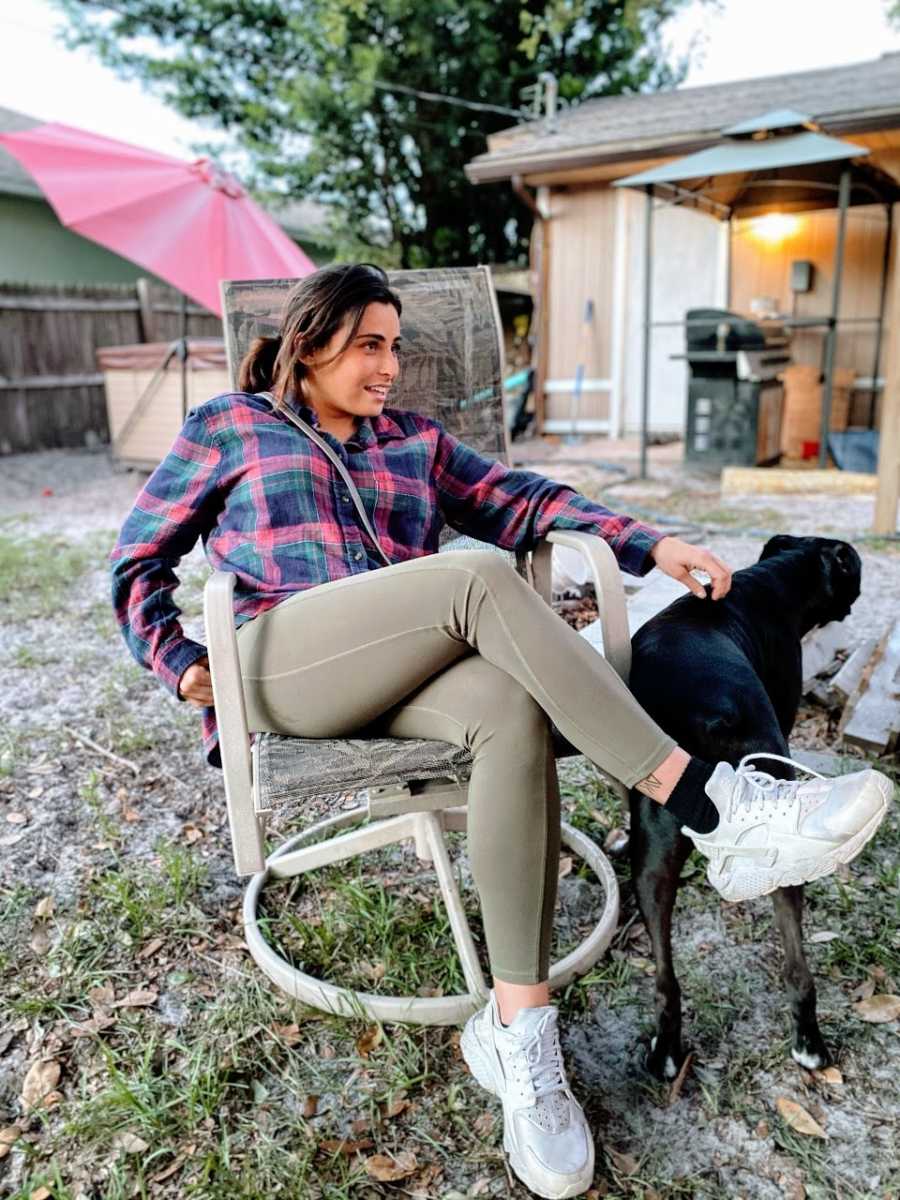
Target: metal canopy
(748, 157)
(766, 164)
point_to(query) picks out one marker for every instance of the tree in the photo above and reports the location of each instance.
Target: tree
(320, 97)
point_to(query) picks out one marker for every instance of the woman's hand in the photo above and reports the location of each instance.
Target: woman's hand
(678, 559)
(195, 685)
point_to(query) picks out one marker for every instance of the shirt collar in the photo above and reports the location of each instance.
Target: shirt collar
(369, 432)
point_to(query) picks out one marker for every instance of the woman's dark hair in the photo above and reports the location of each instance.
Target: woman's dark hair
(315, 310)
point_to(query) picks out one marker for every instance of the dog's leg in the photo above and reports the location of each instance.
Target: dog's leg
(658, 852)
(808, 1048)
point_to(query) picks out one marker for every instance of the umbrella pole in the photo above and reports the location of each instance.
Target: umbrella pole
(183, 353)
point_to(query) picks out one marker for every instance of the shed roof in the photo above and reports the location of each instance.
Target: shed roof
(660, 124)
(14, 179)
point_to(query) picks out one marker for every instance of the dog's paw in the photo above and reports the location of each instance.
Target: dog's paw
(660, 1064)
(812, 1053)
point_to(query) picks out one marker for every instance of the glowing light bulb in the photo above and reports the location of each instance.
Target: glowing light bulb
(774, 227)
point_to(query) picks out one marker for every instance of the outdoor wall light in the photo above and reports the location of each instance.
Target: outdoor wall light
(774, 227)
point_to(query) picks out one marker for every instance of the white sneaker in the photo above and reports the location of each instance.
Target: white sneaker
(545, 1134)
(775, 833)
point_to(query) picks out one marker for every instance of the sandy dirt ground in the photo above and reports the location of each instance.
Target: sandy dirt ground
(99, 769)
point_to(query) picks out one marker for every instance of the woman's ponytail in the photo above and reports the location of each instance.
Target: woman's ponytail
(257, 369)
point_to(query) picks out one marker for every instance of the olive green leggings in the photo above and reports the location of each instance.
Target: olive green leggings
(458, 647)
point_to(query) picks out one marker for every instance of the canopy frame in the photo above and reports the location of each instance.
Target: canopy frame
(815, 155)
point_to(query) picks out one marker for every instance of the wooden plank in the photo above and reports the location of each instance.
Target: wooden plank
(874, 722)
(819, 650)
(826, 764)
(848, 678)
(67, 304)
(742, 481)
(47, 383)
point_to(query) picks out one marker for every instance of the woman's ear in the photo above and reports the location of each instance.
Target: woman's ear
(303, 352)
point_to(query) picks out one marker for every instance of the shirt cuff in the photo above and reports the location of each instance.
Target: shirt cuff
(174, 660)
(633, 545)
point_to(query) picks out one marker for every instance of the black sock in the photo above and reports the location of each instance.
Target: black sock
(689, 803)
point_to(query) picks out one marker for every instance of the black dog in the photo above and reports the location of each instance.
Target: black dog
(724, 679)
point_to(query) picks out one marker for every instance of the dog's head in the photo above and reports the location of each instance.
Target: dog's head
(829, 570)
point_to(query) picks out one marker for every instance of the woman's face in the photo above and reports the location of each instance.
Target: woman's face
(355, 383)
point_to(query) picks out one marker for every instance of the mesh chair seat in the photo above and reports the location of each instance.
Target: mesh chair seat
(293, 773)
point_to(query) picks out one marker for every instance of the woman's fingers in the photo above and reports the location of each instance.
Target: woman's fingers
(718, 572)
(195, 685)
(684, 576)
(678, 559)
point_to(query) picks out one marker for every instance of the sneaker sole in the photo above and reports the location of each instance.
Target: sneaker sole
(827, 865)
(477, 1064)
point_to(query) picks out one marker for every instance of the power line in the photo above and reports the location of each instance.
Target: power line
(518, 113)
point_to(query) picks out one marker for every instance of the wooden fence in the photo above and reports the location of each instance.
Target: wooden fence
(51, 393)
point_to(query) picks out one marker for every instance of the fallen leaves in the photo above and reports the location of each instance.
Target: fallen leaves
(8, 1137)
(625, 1164)
(39, 1085)
(616, 841)
(130, 1143)
(796, 1116)
(877, 1009)
(389, 1168)
(678, 1081)
(346, 1147)
(154, 945)
(138, 998)
(369, 1040)
(829, 1075)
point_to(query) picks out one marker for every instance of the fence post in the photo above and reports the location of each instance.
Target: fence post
(145, 310)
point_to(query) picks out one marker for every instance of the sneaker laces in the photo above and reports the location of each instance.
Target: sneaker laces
(764, 789)
(544, 1058)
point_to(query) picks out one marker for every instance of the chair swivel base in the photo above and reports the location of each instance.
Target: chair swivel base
(294, 857)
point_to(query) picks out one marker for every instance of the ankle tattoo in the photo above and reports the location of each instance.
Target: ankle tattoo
(651, 786)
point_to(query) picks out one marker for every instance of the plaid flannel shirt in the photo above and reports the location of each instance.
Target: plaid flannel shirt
(271, 508)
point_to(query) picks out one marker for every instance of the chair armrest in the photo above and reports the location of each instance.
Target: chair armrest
(231, 715)
(607, 584)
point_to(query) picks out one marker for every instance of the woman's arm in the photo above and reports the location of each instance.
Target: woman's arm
(515, 509)
(176, 506)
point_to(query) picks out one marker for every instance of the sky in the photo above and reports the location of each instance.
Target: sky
(737, 39)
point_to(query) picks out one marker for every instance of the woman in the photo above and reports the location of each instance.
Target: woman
(453, 646)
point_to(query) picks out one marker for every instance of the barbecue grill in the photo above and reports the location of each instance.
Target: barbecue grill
(735, 397)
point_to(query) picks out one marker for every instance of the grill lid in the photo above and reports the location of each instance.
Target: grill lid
(706, 331)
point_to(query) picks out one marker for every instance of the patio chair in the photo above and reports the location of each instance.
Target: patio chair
(452, 369)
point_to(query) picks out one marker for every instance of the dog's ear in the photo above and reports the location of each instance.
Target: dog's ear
(776, 544)
(843, 572)
(844, 560)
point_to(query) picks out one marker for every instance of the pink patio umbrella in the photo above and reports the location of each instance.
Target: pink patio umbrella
(188, 223)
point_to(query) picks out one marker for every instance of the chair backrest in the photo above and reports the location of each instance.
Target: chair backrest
(452, 368)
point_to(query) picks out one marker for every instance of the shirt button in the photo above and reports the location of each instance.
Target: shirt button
(345, 499)
(357, 557)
